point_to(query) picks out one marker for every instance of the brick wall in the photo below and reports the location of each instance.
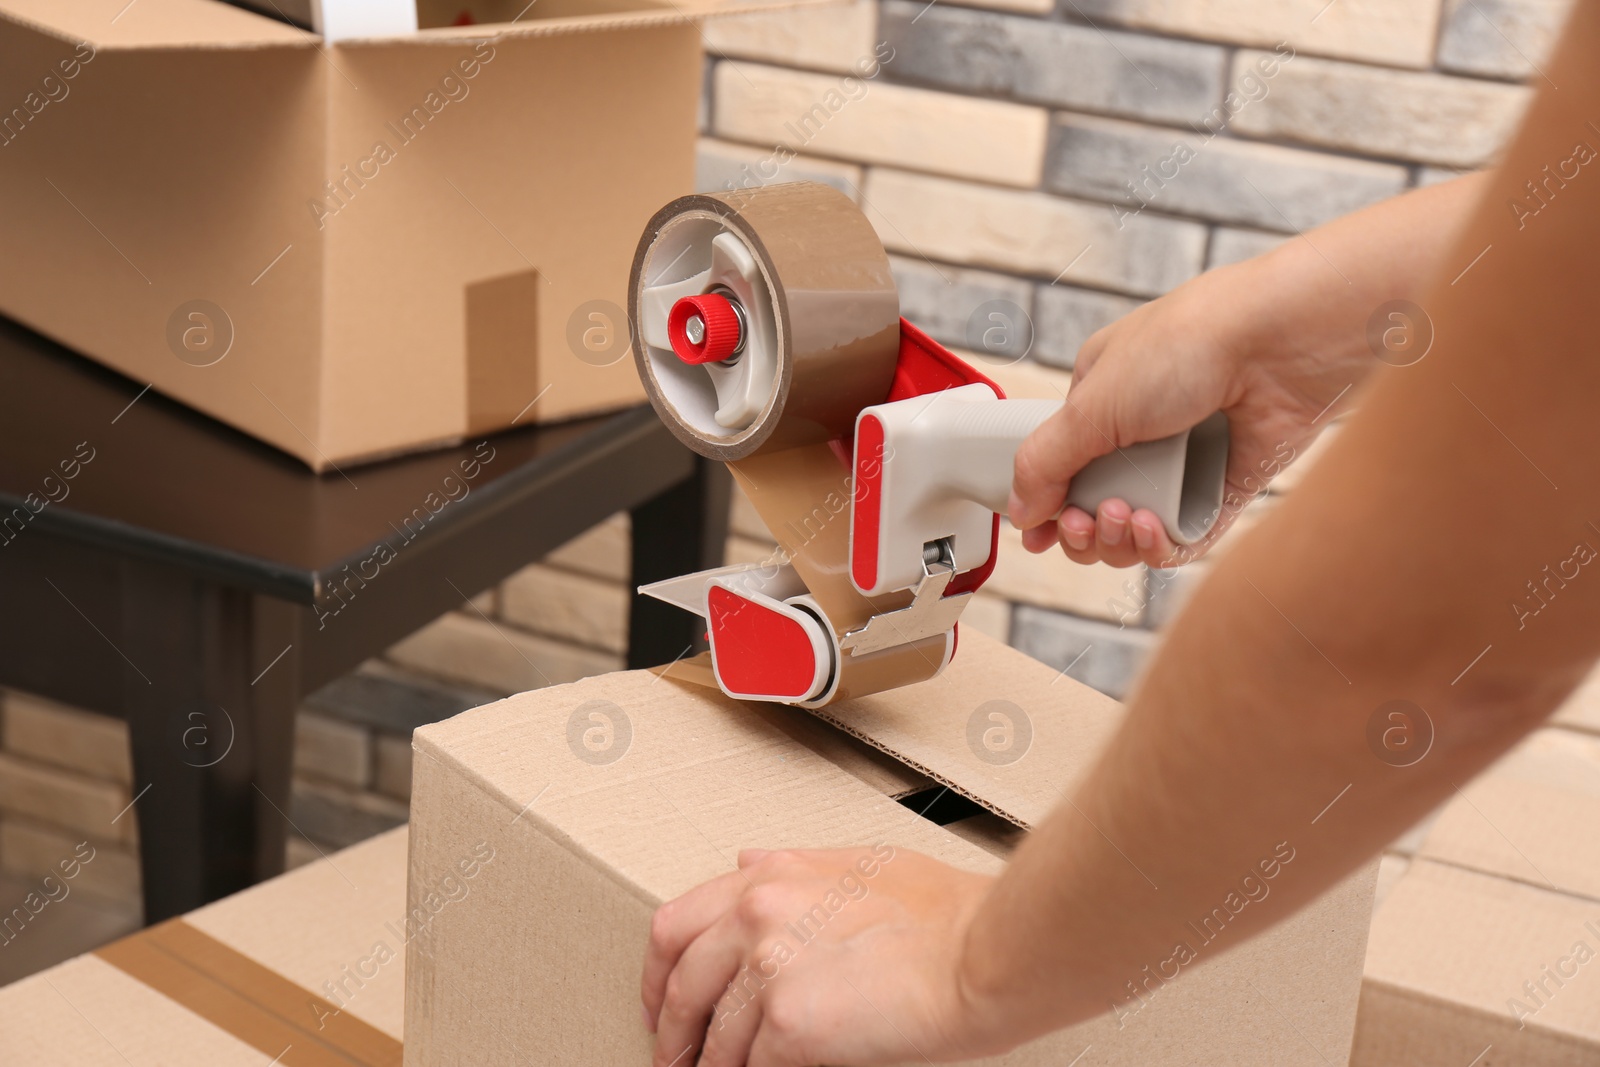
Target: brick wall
(1005, 151)
(1073, 159)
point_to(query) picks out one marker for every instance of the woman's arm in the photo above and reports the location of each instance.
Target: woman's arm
(1440, 554)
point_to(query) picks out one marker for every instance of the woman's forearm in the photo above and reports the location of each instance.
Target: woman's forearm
(1248, 768)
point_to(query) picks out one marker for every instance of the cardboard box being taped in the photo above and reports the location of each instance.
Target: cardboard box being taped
(605, 797)
(348, 250)
(306, 970)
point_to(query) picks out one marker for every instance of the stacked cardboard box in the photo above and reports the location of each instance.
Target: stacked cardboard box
(306, 970)
(603, 798)
(1484, 951)
(353, 249)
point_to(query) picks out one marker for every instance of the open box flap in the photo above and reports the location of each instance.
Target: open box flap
(632, 15)
(119, 24)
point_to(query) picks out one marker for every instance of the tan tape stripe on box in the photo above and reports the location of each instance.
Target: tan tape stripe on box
(248, 1000)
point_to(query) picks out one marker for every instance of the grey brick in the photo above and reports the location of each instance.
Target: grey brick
(393, 702)
(1064, 317)
(1427, 176)
(1051, 62)
(1098, 654)
(1229, 245)
(720, 166)
(1216, 178)
(1499, 38)
(944, 302)
(1422, 117)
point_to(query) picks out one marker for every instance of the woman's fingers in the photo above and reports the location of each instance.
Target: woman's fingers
(734, 1023)
(696, 984)
(1058, 449)
(675, 926)
(1150, 538)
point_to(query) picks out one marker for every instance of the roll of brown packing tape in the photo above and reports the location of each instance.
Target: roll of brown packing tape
(822, 336)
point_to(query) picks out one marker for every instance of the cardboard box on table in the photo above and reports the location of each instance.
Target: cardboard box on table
(1487, 949)
(605, 797)
(306, 970)
(345, 250)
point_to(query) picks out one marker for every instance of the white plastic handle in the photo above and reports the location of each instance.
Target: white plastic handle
(947, 466)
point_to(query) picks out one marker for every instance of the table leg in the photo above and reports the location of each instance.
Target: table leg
(678, 532)
(211, 734)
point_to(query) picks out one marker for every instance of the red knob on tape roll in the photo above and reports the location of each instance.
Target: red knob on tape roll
(719, 328)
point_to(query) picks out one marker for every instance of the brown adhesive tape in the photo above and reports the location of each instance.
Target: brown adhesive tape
(836, 327)
(251, 1002)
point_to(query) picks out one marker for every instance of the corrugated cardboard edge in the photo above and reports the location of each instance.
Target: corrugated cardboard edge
(275, 34)
(933, 744)
(1387, 1009)
(871, 763)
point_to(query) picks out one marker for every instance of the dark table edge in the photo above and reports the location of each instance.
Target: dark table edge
(302, 586)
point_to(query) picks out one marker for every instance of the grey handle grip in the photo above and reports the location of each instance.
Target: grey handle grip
(1181, 478)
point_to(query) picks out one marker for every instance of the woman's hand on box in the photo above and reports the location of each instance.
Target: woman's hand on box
(845, 957)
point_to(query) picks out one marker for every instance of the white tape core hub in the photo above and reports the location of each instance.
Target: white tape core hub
(694, 254)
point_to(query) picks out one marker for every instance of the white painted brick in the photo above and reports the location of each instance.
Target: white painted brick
(832, 37)
(1031, 233)
(725, 166)
(328, 748)
(1500, 38)
(1428, 118)
(1065, 317)
(32, 851)
(497, 657)
(742, 550)
(66, 800)
(1398, 32)
(601, 551)
(1232, 245)
(1218, 178)
(874, 122)
(572, 607)
(989, 615)
(42, 730)
(392, 766)
(1054, 63)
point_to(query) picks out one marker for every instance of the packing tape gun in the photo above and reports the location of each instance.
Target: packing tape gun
(767, 332)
